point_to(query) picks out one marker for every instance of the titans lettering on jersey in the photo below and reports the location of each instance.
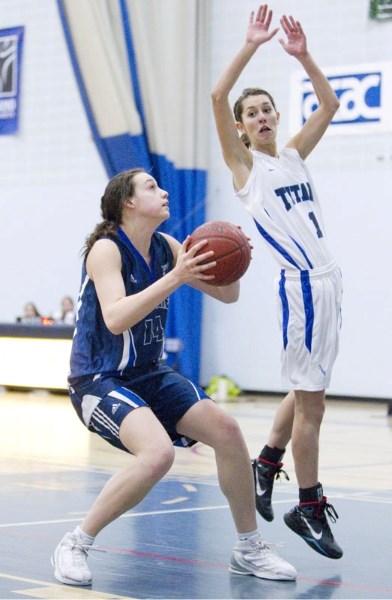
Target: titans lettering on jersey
(95, 350)
(292, 194)
(281, 198)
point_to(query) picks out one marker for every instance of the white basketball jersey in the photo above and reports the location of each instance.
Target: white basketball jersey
(282, 199)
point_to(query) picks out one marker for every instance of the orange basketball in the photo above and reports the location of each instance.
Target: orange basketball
(231, 247)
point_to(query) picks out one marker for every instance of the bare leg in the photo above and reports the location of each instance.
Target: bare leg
(282, 426)
(309, 518)
(309, 412)
(209, 424)
(152, 456)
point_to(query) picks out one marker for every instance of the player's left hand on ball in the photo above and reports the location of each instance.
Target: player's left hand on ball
(247, 237)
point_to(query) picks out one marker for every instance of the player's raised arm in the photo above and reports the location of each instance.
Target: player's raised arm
(295, 44)
(235, 154)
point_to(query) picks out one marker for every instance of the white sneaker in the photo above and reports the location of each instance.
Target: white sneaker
(256, 558)
(70, 561)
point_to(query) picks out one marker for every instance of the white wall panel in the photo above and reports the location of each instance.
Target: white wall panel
(51, 177)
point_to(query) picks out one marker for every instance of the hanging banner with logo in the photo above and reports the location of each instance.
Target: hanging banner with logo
(364, 92)
(11, 44)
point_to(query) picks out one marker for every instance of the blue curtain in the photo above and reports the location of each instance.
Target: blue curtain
(137, 68)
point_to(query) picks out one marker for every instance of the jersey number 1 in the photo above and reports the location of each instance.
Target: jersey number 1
(312, 217)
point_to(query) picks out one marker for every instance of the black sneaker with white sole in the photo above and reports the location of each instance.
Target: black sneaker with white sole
(264, 473)
(309, 520)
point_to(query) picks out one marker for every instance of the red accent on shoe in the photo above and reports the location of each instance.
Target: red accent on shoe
(269, 463)
(320, 504)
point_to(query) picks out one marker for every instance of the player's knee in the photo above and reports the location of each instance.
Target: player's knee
(317, 412)
(229, 432)
(153, 464)
(156, 466)
(310, 405)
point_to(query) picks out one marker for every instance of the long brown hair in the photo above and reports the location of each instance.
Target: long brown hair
(239, 107)
(119, 189)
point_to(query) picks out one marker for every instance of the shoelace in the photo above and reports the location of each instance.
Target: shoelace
(321, 509)
(281, 471)
(265, 545)
(331, 512)
(83, 551)
(275, 469)
(80, 553)
(260, 545)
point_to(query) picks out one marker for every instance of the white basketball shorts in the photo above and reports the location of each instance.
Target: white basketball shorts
(309, 313)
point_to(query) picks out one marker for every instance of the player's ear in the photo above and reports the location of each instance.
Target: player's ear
(240, 127)
(278, 117)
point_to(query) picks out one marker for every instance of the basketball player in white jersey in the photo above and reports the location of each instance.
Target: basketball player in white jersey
(277, 190)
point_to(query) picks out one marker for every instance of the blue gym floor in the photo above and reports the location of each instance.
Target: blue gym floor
(177, 542)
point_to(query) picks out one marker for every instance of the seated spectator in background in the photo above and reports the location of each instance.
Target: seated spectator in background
(31, 314)
(66, 314)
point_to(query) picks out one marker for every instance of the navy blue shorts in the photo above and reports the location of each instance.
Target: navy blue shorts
(103, 401)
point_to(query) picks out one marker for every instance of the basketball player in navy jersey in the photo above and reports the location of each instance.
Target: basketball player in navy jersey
(123, 392)
(276, 189)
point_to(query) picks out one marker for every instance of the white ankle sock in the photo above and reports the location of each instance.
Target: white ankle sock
(253, 536)
(86, 539)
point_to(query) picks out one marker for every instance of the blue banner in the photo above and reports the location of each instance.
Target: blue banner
(11, 44)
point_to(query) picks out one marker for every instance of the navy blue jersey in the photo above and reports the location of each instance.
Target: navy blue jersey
(95, 350)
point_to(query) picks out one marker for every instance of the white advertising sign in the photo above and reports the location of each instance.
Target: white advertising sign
(365, 96)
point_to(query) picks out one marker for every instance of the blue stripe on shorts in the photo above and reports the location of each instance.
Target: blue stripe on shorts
(285, 308)
(308, 307)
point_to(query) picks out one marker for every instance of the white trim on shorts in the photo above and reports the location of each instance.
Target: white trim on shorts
(100, 418)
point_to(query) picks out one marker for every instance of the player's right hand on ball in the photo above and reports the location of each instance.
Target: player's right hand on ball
(191, 264)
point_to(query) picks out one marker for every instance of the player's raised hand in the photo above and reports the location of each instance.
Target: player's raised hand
(259, 23)
(295, 44)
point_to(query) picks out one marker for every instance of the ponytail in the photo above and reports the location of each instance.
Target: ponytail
(103, 229)
(119, 189)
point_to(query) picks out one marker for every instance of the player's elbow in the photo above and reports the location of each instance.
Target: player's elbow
(218, 97)
(333, 106)
(230, 300)
(214, 95)
(115, 324)
(230, 293)
(114, 328)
